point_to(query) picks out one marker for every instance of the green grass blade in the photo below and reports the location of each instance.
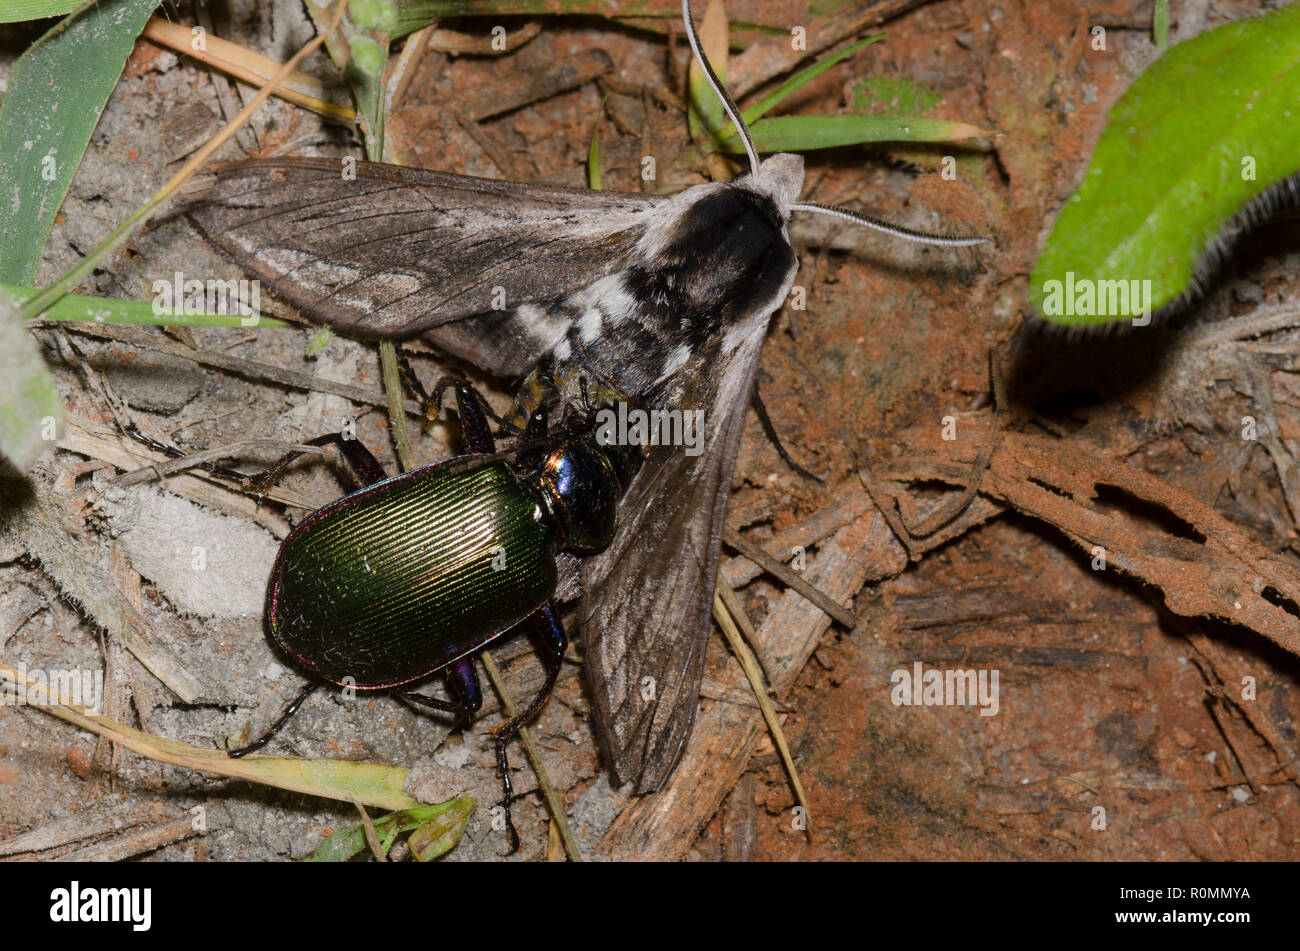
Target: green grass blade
(705, 114)
(593, 153)
(801, 133)
(108, 310)
(892, 96)
(799, 80)
(1160, 24)
(1207, 128)
(56, 95)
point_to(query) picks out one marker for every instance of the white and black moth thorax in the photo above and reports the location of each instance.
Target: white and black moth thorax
(704, 277)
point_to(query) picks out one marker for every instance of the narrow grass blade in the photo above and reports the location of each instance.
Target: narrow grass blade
(108, 310)
(802, 133)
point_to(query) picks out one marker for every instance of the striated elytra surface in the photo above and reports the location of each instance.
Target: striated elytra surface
(397, 580)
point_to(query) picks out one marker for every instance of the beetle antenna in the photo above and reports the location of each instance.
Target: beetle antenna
(729, 104)
(897, 231)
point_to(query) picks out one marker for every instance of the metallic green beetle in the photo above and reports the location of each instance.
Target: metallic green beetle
(412, 575)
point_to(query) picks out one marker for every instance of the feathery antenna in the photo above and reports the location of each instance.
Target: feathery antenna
(897, 231)
(733, 112)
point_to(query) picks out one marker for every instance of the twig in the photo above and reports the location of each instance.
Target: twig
(135, 842)
(732, 602)
(372, 837)
(769, 564)
(262, 372)
(755, 677)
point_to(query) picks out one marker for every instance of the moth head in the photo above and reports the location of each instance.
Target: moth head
(781, 176)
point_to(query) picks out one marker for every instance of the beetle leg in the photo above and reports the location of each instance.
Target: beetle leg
(543, 625)
(363, 463)
(462, 683)
(224, 472)
(547, 627)
(275, 728)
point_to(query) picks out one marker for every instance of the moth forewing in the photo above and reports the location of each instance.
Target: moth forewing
(387, 251)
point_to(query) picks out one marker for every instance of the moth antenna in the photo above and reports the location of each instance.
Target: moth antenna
(897, 231)
(729, 104)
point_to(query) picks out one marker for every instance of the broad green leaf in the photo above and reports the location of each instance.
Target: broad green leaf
(15, 11)
(56, 94)
(440, 834)
(109, 310)
(1206, 129)
(800, 133)
(444, 820)
(31, 413)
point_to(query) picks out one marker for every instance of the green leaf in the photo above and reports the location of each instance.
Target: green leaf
(31, 413)
(15, 11)
(440, 834)
(800, 133)
(1206, 129)
(378, 15)
(445, 821)
(56, 94)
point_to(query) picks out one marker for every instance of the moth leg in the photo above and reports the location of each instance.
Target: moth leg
(770, 430)
(408, 376)
(412, 381)
(275, 727)
(543, 625)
